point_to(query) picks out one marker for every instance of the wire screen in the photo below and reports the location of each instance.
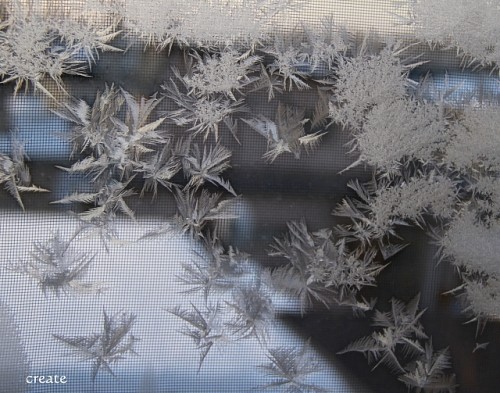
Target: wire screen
(236, 196)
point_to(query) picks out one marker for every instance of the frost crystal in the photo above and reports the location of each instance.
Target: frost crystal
(286, 134)
(471, 26)
(204, 23)
(197, 210)
(364, 82)
(319, 269)
(29, 52)
(204, 327)
(207, 166)
(58, 267)
(254, 314)
(203, 114)
(478, 130)
(225, 73)
(399, 131)
(111, 345)
(15, 174)
(290, 369)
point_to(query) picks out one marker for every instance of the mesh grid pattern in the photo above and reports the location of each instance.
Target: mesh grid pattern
(142, 276)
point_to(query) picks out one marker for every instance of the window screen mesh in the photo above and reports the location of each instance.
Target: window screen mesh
(137, 267)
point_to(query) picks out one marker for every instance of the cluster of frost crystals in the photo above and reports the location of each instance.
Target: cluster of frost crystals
(35, 47)
(470, 25)
(483, 298)
(408, 201)
(364, 82)
(478, 130)
(473, 245)
(203, 23)
(28, 54)
(320, 269)
(395, 131)
(225, 73)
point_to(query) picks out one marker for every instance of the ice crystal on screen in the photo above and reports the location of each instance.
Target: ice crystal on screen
(204, 23)
(471, 245)
(477, 129)
(254, 313)
(202, 114)
(207, 166)
(227, 73)
(33, 47)
(482, 299)
(14, 173)
(364, 228)
(470, 26)
(400, 334)
(286, 134)
(86, 40)
(108, 200)
(402, 339)
(58, 267)
(365, 81)
(326, 44)
(197, 210)
(115, 145)
(114, 343)
(426, 375)
(288, 65)
(321, 269)
(29, 52)
(204, 275)
(204, 327)
(408, 201)
(291, 370)
(160, 168)
(400, 131)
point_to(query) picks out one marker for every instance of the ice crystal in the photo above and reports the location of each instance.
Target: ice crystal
(254, 313)
(478, 130)
(225, 73)
(108, 200)
(203, 114)
(426, 375)
(160, 168)
(86, 40)
(471, 244)
(286, 134)
(58, 267)
(29, 52)
(196, 210)
(204, 327)
(470, 26)
(203, 276)
(401, 329)
(204, 23)
(320, 269)
(408, 200)
(364, 82)
(326, 44)
(398, 131)
(111, 345)
(290, 369)
(207, 166)
(15, 174)
(364, 228)
(288, 65)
